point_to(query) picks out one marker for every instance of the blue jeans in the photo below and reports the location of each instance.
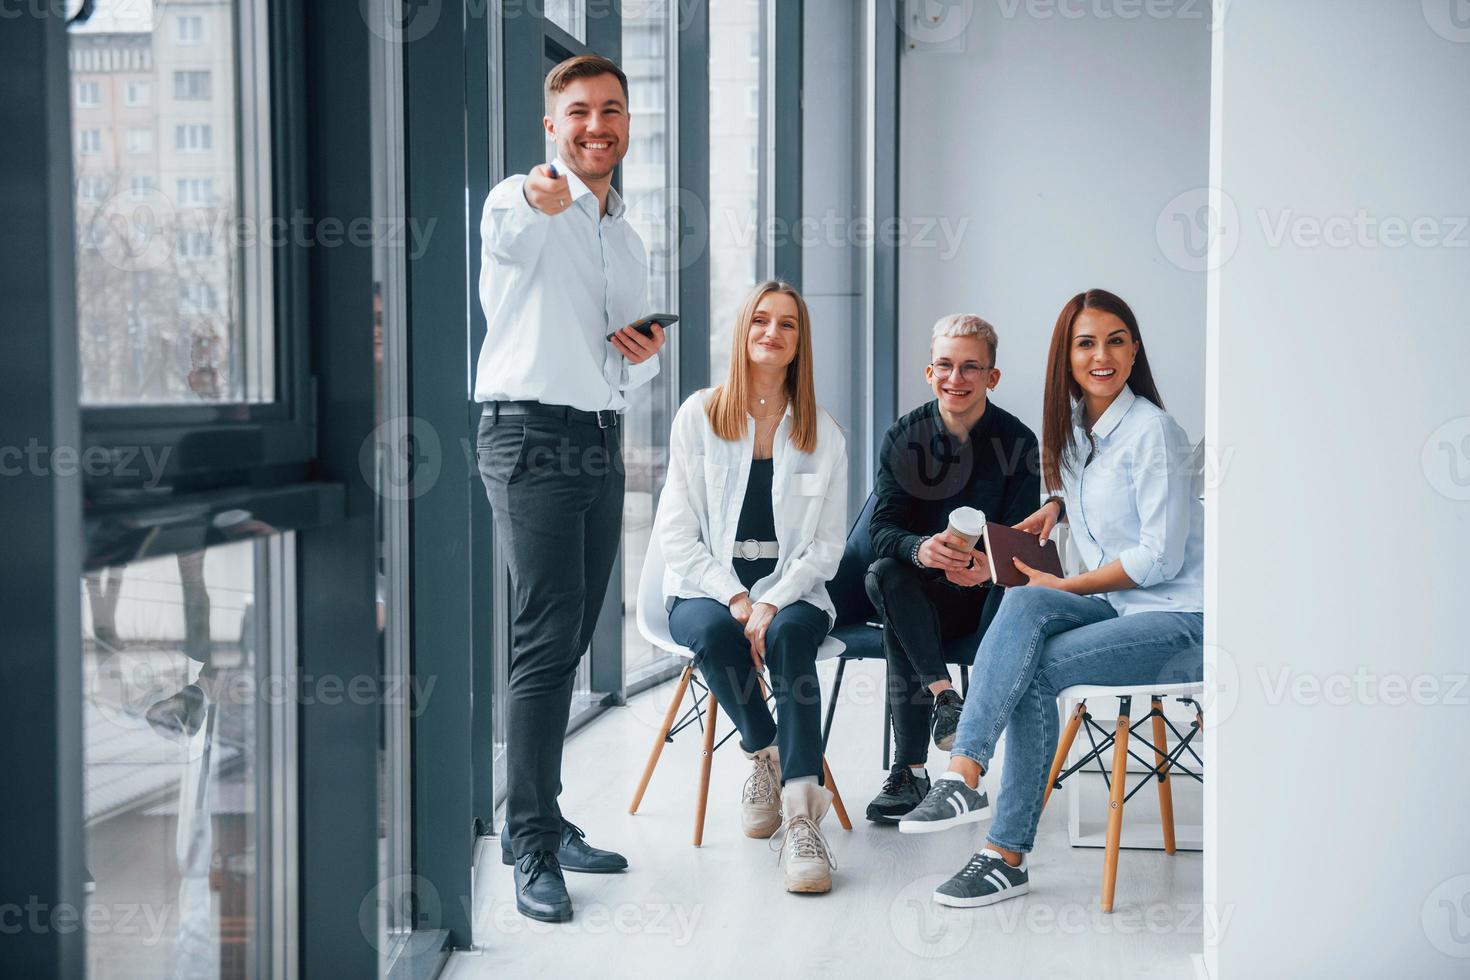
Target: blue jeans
(1042, 641)
(722, 654)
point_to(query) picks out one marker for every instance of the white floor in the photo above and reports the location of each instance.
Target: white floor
(719, 910)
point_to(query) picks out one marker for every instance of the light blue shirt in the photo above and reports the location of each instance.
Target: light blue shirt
(1136, 502)
(553, 287)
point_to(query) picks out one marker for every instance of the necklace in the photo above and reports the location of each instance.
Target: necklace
(773, 414)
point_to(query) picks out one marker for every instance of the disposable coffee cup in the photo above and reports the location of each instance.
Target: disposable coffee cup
(966, 524)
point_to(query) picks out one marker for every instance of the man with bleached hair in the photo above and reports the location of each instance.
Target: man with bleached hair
(958, 450)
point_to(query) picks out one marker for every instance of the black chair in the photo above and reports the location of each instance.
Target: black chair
(859, 626)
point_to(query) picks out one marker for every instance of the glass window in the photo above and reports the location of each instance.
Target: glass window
(189, 29)
(734, 178)
(195, 245)
(89, 94)
(653, 208)
(185, 743)
(191, 86)
(140, 298)
(193, 137)
(571, 16)
(195, 191)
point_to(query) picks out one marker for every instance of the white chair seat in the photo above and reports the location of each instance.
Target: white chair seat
(1084, 692)
(653, 618)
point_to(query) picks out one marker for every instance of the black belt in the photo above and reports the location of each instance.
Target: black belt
(605, 419)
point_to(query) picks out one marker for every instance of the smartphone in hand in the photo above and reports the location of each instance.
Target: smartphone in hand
(645, 325)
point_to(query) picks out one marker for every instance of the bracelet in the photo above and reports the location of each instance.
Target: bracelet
(1061, 505)
(914, 554)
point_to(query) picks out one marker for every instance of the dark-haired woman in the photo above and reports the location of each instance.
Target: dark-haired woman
(752, 522)
(1119, 471)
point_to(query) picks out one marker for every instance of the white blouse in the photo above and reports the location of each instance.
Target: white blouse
(705, 491)
(1136, 502)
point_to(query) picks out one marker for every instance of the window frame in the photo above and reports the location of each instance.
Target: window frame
(273, 441)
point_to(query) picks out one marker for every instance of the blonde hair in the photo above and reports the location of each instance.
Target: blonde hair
(726, 408)
(965, 325)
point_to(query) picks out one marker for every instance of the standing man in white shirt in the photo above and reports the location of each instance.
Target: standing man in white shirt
(561, 270)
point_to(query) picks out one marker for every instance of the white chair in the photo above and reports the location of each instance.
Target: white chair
(653, 624)
(1165, 759)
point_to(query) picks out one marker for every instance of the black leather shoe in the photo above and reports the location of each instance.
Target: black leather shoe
(541, 891)
(574, 854)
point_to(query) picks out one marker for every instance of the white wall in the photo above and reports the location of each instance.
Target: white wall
(1049, 148)
(1344, 516)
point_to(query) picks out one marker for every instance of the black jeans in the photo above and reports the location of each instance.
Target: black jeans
(723, 656)
(556, 492)
(920, 610)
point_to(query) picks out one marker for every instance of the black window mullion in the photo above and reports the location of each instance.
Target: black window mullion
(41, 837)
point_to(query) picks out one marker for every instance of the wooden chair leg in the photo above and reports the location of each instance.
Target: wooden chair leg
(704, 764)
(1115, 805)
(836, 796)
(662, 738)
(1166, 791)
(1064, 745)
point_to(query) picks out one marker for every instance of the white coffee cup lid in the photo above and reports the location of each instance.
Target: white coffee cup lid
(967, 520)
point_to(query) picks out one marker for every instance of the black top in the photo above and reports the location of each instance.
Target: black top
(924, 473)
(757, 521)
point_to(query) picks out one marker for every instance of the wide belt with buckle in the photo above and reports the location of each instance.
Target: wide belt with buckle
(752, 550)
(604, 419)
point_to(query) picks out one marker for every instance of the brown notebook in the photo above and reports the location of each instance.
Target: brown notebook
(1004, 543)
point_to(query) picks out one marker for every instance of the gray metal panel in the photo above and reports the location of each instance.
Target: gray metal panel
(328, 96)
(440, 563)
(784, 54)
(887, 46)
(693, 182)
(483, 169)
(41, 843)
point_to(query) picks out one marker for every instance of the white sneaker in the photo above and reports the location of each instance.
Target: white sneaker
(804, 851)
(760, 800)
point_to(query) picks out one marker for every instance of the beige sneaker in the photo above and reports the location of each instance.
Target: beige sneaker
(760, 801)
(808, 861)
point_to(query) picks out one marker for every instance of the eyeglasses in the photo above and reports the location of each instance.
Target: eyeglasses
(970, 369)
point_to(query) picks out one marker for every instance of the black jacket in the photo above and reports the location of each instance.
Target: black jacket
(924, 473)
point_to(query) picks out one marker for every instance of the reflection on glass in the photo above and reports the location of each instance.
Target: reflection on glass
(391, 482)
(570, 16)
(653, 208)
(175, 757)
(160, 308)
(734, 177)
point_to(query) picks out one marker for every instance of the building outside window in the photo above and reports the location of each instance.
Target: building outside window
(191, 86)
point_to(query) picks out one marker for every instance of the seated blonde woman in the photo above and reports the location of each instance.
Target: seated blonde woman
(752, 523)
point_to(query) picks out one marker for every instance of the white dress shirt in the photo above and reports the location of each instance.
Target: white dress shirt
(705, 491)
(553, 287)
(1136, 502)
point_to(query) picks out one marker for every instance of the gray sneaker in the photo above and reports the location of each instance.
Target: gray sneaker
(984, 880)
(949, 803)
